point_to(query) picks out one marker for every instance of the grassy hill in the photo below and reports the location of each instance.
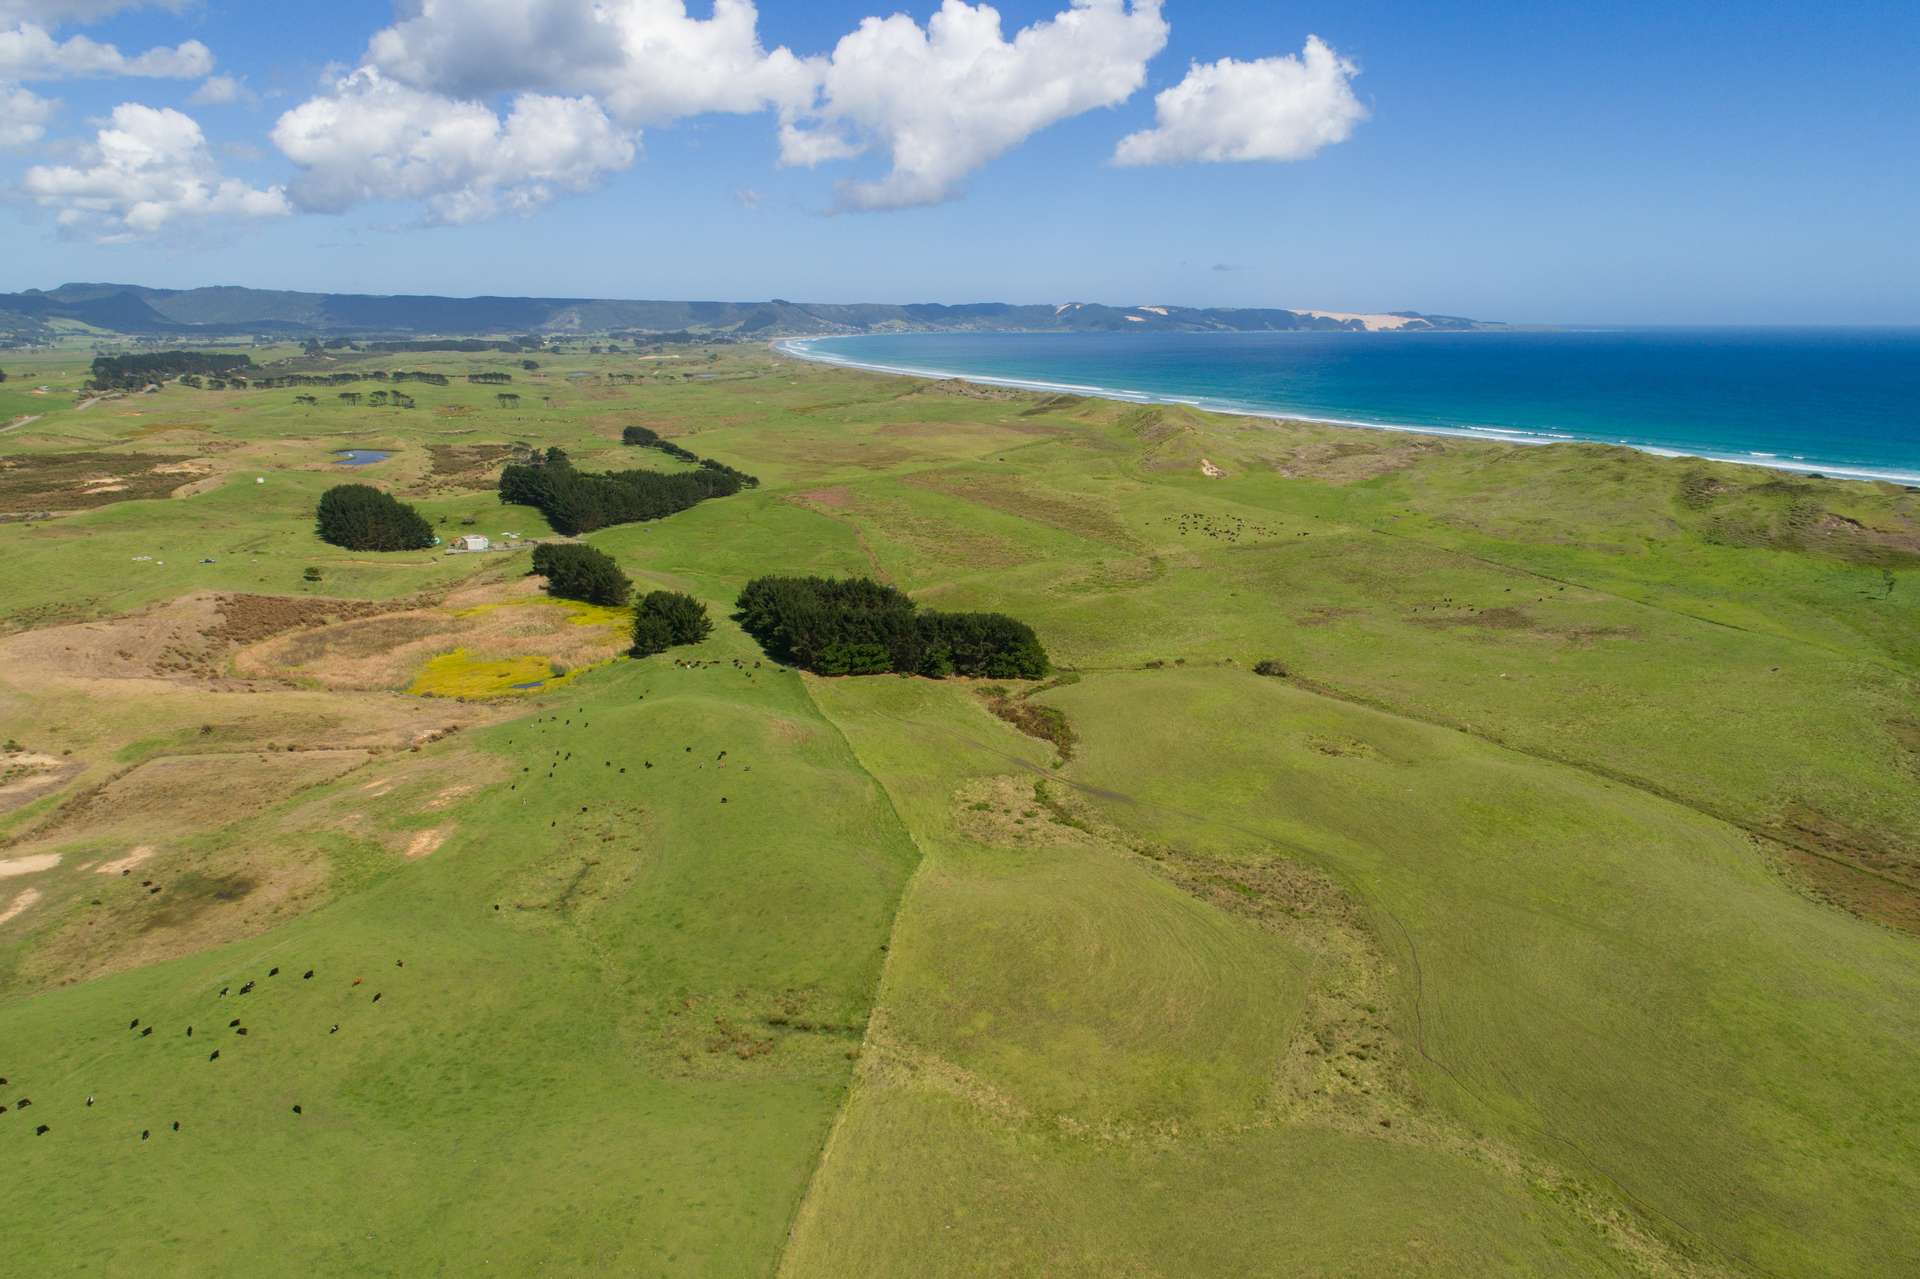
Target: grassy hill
(1551, 906)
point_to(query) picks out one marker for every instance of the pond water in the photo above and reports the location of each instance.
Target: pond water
(539, 683)
(360, 457)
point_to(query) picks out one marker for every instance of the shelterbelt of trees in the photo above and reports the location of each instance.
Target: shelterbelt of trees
(576, 502)
(857, 626)
(131, 372)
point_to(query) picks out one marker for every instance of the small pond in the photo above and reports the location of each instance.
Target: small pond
(360, 457)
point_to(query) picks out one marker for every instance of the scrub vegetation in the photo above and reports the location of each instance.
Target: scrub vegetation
(1329, 853)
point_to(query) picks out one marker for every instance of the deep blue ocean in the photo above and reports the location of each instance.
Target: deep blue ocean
(1837, 401)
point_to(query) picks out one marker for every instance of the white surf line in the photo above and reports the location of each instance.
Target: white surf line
(801, 349)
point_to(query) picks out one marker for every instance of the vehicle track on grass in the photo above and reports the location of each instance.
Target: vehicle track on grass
(1305, 853)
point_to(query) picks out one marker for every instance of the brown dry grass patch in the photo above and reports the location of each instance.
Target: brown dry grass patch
(386, 651)
(83, 481)
(1080, 516)
(179, 795)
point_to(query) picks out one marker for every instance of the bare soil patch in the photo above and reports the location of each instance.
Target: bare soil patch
(124, 864)
(21, 904)
(17, 866)
(427, 843)
(82, 481)
(25, 776)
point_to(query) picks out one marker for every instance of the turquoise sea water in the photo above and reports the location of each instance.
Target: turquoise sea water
(1836, 401)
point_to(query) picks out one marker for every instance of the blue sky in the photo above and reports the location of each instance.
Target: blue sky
(1629, 163)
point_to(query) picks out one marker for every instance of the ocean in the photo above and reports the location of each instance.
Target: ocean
(1841, 402)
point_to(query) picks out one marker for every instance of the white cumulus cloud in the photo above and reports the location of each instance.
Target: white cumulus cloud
(148, 171)
(23, 116)
(220, 91)
(648, 61)
(947, 99)
(29, 52)
(372, 138)
(1284, 108)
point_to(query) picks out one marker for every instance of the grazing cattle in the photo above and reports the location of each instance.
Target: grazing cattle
(146, 1032)
(335, 1030)
(247, 989)
(296, 1110)
(358, 980)
(144, 1134)
(89, 1102)
(42, 1131)
(176, 1125)
(399, 963)
(23, 1103)
(376, 999)
(273, 972)
(307, 976)
(223, 992)
(214, 1055)
(233, 1023)
(241, 1031)
(649, 763)
(134, 1024)
(723, 799)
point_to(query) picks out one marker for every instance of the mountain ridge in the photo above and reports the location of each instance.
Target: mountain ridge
(35, 315)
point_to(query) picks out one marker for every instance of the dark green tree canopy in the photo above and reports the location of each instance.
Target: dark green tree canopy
(362, 518)
(859, 627)
(668, 619)
(582, 573)
(576, 502)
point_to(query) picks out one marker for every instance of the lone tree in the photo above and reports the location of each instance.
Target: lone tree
(362, 518)
(582, 573)
(668, 619)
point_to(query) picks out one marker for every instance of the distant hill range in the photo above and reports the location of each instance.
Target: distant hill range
(131, 310)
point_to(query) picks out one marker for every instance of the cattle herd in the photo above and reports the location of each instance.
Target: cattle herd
(141, 1030)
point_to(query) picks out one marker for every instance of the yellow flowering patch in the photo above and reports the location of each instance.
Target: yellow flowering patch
(460, 674)
(577, 613)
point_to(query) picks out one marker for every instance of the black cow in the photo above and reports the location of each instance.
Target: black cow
(273, 972)
(233, 1023)
(134, 1024)
(176, 1125)
(146, 1032)
(376, 999)
(296, 1110)
(144, 1134)
(214, 1055)
(307, 976)
(42, 1131)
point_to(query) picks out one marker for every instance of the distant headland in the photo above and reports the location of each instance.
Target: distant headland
(37, 316)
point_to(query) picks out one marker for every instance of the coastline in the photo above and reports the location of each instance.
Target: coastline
(802, 349)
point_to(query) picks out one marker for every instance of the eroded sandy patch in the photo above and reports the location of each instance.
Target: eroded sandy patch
(28, 865)
(21, 904)
(127, 863)
(427, 843)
